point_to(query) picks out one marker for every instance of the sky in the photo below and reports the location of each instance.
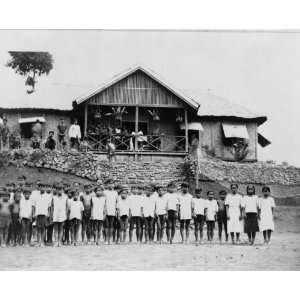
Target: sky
(259, 70)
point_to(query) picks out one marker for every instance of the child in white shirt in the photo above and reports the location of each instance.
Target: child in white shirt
(149, 212)
(199, 206)
(123, 213)
(211, 215)
(110, 208)
(172, 210)
(75, 215)
(160, 212)
(26, 216)
(97, 212)
(59, 214)
(185, 204)
(250, 207)
(266, 214)
(135, 204)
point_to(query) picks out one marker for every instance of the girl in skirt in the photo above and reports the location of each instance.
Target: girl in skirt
(250, 208)
(266, 214)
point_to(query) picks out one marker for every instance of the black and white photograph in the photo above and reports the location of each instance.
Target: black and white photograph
(149, 150)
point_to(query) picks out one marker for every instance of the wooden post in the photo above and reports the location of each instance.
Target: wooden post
(136, 130)
(186, 131)
(85, 118)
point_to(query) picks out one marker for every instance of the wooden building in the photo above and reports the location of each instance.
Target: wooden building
(22, 120)
(149, 118)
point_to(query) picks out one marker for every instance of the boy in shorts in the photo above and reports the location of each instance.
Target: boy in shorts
(26, 216)
(97, 212)
(41, 211)
(123, 213)
(110, 208)
(172, 210)
(160, 212)
(199, 206)
(211, 215)
(135, 213)
(75, 215)
(4, 218)
(185, 204)
(149, 203)
(222, 216)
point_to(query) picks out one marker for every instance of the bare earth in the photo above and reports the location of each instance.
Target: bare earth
(282, 254)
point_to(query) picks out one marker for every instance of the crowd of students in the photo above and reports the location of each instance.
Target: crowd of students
(61, 214)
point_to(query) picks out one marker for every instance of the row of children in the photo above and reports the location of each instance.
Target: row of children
(66, 211)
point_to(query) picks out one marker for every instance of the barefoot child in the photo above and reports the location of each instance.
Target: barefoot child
(161, 212)
(41, 211)
(172, 210)
(221, 215)
(185, 208)
(250, 207)
(211, 215)
(4, 217)
(26, 216)
(97, 212)
(135, 213)
(148, 213)
(110, 208)
(59, 214)
(266, 214)
(233, 205)
(199, 206)
(75, 215)
(86, 198)
(123, 213)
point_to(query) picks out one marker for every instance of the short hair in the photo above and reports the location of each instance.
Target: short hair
(198, 190)
(250, 187)
(26, 191)
(171, 185)
(222, 192)
(51, 131)
(208, 192)
(266, 188)
(234, 185)
(185, 184)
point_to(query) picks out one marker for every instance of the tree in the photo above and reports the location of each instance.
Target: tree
(30, 64)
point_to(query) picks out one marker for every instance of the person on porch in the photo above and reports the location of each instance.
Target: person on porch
(75, 135)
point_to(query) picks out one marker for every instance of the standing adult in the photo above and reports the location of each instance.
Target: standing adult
(233, 203)
(75, 134)
(37, 129)
(61, 133)
(5, 133)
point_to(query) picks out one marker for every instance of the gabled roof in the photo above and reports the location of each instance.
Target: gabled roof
(188, 100)
(207, 105)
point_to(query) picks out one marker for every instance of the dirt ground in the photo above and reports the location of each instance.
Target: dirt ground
(282, 254)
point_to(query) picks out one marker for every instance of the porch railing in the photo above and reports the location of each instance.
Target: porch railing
(145, 143)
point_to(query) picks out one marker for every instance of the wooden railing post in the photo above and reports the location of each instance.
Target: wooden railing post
(136, 130)
(85, 118)
(186, 131)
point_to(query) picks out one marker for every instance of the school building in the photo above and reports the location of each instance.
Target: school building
(165, 121)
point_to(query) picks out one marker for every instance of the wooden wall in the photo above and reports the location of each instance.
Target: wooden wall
(213, 138)
(137, 89)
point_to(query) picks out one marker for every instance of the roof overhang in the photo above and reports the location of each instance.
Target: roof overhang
(235, 130)
(31, 120)
(264, 142)
(188, 100)
(192, 126)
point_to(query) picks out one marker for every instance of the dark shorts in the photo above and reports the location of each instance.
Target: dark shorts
(135, 221)
(171, 215)
(222, 217)
(86, 215)
(110, 221)
(41, 221)
(185, 223)
(210, 225)
(251, 223)
(97, 223)
(199, 221)
(75, 223)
